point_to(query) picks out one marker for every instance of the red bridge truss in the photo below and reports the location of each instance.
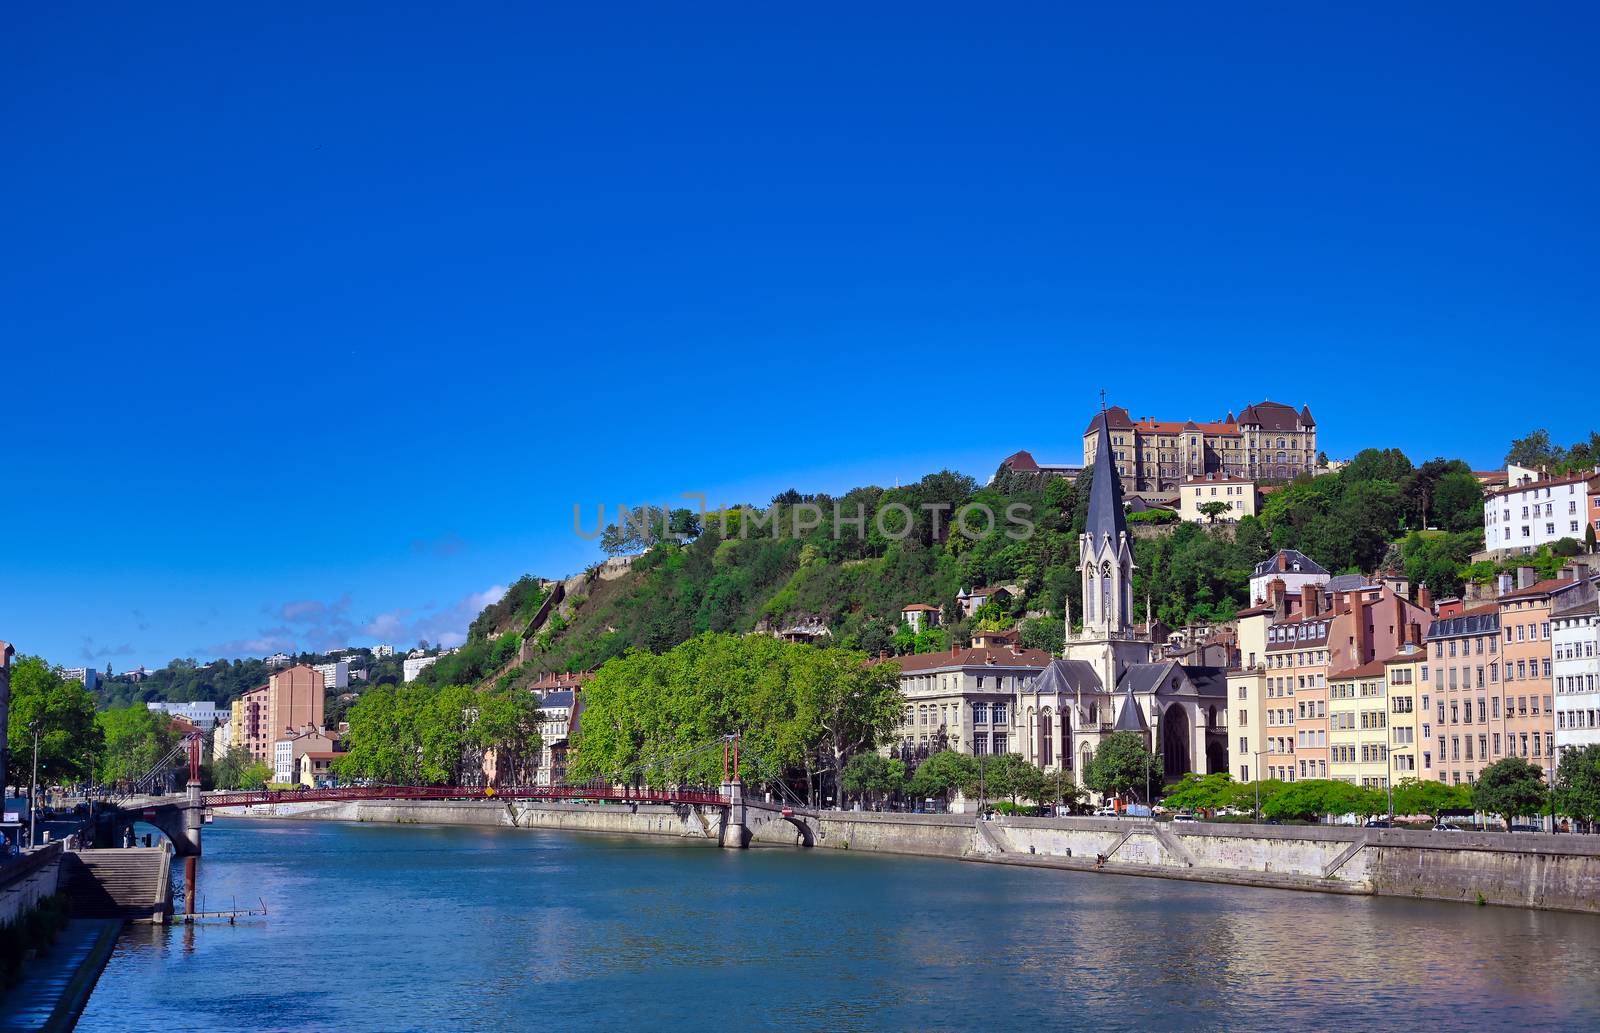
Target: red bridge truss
(609, 794)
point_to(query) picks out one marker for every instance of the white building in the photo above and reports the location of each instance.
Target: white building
(414, 665)
(201, 714)
(1293, 567)
(1237, 493)
(221, 740)
(335, 675)
(1575, 641)
(1530, 512)
(382, 651)
(555, 725)
(278, 660)
(286, 752)
(88, 676)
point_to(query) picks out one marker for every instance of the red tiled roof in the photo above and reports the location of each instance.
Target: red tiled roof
(1540, 588)
(1022, 462)
(1366, 670)
(1549, 482)
(919, 606)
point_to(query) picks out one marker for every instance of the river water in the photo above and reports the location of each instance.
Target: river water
(390, 928)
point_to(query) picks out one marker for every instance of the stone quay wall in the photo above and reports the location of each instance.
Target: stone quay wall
(1560, 872)
(28, 880)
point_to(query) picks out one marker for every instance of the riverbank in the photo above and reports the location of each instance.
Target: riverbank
(1547, 872)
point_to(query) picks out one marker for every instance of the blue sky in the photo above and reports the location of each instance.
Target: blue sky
(318, 324)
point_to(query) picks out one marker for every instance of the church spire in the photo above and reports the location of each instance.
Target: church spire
(1105, 490)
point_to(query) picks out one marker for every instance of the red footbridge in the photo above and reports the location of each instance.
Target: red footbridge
(599, 794)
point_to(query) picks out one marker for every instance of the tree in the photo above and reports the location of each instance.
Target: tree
(1533, 451)
(1007, 774)
(1123, 766)
(135, 738)
(1577, 791)
(1204, 792)
(1435, 799)
(69, 738)
(872, 773)
(941, 774)
(1458, 502)
(1510, 788)
(1316, 797)
(1047, 634)
(1212, 510)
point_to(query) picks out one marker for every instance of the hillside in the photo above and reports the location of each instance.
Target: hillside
(750, 568)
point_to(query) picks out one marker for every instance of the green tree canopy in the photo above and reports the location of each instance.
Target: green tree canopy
(69, 737)
(1123, 766)
(1435, 799)
(1510, 788)
(1577, 790)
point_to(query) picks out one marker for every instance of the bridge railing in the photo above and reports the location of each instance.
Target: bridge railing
(609, 794)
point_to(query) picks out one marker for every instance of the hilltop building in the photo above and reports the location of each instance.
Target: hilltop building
(1267, 441)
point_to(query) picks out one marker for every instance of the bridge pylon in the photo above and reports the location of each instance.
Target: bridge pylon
(735, 832)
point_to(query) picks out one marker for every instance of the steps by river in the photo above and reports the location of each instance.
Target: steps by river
(129, 884)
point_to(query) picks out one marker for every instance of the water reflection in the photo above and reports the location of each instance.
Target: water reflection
(400, 928)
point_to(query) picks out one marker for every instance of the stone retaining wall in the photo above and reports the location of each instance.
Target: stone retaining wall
(1524, 869)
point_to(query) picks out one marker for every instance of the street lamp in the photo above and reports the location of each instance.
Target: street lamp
(1255, 769)
(33, 789)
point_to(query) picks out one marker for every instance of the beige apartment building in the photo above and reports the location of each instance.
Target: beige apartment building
(1247, 689)
(1410, 724)
(1358, 726)
(1268, 440)
(1238, 494)
(294, 700)
(250, 725)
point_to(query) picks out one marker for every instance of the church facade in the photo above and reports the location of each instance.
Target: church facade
(1108, 678)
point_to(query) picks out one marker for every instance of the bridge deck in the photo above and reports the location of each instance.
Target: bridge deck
(608, 794)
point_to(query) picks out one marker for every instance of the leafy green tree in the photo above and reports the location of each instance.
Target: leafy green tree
(134, 738)
(873, 774)
(69, 738)
(943, 773)
(1510, 788)
(1458, 502)
(1203, 792)
(1315, 798)
(1533, 451)
(1047, 634)
(1577, 789)
(1212, 510)
(1123, 766)
(254, 775)
(1007, 774)
(1430, 797)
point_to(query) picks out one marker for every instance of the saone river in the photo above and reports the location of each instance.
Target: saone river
(380, 927)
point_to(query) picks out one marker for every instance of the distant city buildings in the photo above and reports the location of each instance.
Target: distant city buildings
(382, 651)
(278, 660)
(202, 714)
(87, 676)
(920, 616)
(415, 665)
(1575, 645)
(335, 675)
(249, 720)
(289, 748)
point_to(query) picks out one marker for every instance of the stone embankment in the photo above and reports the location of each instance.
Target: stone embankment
(1559, 872)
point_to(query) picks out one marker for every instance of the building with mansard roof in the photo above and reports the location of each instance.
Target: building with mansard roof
(1266, 441)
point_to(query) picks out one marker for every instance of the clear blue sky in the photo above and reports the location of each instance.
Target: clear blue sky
(317, 324)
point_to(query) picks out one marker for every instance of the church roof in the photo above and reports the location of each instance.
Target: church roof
(1129, 717)
(1068, 677)
(1105, 494)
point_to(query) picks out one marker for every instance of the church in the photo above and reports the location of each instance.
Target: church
(1107, 679)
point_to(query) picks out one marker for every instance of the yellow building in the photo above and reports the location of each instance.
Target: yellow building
(1236, 494)
(1247, 689)
(1358, 726)
(1410, 727)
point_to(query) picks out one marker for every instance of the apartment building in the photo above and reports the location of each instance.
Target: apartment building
(1247, 687)
(1462, 678)
(1334, 628)
(335, 675)
(201, 713)
(1358, 726)
(294, 700)
(250, 724)
(1575, 647)
(1410, 723)
(1533, 510)
(1238, 494)
(1268, 440)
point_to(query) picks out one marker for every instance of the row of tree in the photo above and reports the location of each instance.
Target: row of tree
(422, 734)
(799, 712)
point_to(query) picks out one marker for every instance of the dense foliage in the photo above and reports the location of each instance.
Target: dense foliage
(135, 738)
(1511, 788)
(422, 734)
(69, 737)
(799, 711)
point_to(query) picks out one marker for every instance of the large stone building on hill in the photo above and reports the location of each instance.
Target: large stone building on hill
(1266, 441)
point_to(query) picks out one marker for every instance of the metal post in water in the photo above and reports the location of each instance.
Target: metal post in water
(191, 866)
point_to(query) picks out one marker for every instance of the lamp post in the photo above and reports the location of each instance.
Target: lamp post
(33, 788)
(1255, 769)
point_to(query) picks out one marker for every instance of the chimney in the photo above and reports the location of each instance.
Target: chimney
(1525, 577)
(1309, 598)
(1283, 562)
(1568, 573)
(1503, 583)
(1363, 635)
(1340, 601)
(1414, 634)
(1278, 592)
(1425, 598)
(955, 650)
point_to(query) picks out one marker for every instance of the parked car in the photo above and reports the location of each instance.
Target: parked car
(1379, 823)
(1525, 828)
(1106, 812)
(1184, 817)
(1445, 828)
